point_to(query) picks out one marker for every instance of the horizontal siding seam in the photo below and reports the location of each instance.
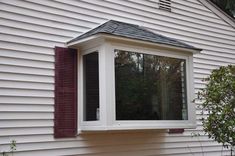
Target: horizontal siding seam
(43, 11)
(27, 81)
(41, 61)
(33, 89)
(28, 37)
(35, 45)
(42, 25)
(31, 30)
(36, 96)
(57, 21)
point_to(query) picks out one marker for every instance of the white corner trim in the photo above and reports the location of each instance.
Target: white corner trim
(216, 10)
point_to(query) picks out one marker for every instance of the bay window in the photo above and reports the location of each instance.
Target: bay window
(131, 78)
(124, 86)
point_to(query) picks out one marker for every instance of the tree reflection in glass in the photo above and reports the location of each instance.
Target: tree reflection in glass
(149, 87)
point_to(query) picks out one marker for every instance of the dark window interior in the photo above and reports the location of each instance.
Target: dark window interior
(91, 86)
(149, 87)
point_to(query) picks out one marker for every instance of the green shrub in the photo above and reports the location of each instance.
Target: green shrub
(219, 102)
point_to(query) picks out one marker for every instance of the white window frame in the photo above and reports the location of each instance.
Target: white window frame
(107, 89)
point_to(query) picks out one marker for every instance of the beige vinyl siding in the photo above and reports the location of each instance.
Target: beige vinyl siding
(29, 30)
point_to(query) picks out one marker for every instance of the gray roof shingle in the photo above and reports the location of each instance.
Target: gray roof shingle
(132, 31)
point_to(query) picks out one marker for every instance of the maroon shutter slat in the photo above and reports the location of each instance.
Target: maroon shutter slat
(176, 131)
(65, 124)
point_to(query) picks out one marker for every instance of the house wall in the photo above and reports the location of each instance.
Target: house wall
(29, 30)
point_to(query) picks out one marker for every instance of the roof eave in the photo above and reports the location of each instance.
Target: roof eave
(84, 40)
(103, 36)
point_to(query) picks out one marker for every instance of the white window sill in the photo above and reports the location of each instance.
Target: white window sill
(140, 125)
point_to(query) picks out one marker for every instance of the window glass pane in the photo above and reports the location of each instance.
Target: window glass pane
(91, 86)
(149, 87)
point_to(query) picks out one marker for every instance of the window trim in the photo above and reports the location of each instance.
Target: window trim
(81, 86)
(107, 89)
(138, 124)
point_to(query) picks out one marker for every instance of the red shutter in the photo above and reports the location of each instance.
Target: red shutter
(65, 92)
(175, 131)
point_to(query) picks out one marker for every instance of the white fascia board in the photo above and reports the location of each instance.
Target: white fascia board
(75, 43)
(193, 51)
(106, 36)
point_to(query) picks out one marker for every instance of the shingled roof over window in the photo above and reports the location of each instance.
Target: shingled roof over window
(121, 29)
